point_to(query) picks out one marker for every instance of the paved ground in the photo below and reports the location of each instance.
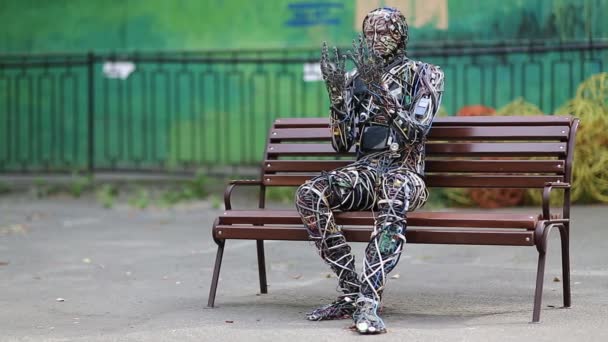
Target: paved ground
(128, 275)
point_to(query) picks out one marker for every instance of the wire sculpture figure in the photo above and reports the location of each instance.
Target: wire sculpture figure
(384, 107)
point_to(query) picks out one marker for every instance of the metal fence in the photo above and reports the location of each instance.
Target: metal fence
(186, 110)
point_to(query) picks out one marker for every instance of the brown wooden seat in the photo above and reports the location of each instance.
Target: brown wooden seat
(462, 152)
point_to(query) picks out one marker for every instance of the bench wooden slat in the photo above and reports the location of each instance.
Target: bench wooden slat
(536, 120)
(455, 166)
(452, 181)
(366, 218)
(442, 133)
(482, 181)
(438, 149)
(440, 236)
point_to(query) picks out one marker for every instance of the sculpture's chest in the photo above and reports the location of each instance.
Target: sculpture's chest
(368, 104)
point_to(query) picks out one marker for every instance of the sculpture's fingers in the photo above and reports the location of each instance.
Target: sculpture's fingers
(324, 53)
(359, 60)
(336, 58)
(324, 62)
(362, 45)
(343, 63)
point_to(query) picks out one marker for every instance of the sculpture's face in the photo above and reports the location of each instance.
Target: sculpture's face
(379, 37)
(385, 31)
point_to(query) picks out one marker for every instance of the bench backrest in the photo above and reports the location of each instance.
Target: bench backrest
(461, 152)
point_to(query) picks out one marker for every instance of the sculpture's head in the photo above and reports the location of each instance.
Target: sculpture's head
(386, 32)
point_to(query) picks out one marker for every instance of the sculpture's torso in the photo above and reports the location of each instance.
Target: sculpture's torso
(373, 125)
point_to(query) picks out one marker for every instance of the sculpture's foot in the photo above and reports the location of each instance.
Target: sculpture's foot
(341, 308)
(366, 317)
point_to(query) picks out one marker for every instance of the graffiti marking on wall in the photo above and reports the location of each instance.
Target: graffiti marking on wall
(314, 13)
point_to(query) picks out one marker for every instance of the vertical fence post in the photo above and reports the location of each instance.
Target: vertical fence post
(91, 111)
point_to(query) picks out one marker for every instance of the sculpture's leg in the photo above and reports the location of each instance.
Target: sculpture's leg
(400, 191)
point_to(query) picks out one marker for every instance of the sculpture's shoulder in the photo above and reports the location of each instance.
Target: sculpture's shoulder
(432, 71)
(420, 66)
(412, 67)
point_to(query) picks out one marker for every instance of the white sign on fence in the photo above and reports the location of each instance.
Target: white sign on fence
(312, 72)
(118, 69)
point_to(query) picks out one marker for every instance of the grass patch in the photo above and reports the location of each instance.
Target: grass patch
(281, 194)
(141, 199)
(216, 202)
(194, 189)
(5, 188)
(43, 189)
(80, 184)
(106, 195)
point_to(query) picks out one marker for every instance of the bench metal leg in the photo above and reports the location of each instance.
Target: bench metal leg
(542, 232)
(262, 266)
(566, 265)
(538, 295)
(216, 273)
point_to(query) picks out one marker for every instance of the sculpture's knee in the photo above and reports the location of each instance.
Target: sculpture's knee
(395, 194)
(301, 194)
(312, 204)
(312, 194)
(403, 192)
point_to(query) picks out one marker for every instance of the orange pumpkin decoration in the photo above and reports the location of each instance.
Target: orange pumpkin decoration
(491, 198)
(475, 110)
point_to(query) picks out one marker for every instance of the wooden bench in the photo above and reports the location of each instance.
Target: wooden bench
(462, 152)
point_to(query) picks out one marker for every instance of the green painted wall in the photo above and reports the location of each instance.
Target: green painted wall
(80, 25)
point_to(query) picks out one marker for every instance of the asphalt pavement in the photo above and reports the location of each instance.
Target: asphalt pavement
(73, 271)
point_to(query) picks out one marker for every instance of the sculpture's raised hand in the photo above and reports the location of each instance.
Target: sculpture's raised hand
(370, 65)
(334, 73)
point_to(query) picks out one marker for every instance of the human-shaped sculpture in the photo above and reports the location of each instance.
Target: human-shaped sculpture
(385, 108)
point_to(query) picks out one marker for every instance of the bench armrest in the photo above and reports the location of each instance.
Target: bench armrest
(547, 198)
(232, 184)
